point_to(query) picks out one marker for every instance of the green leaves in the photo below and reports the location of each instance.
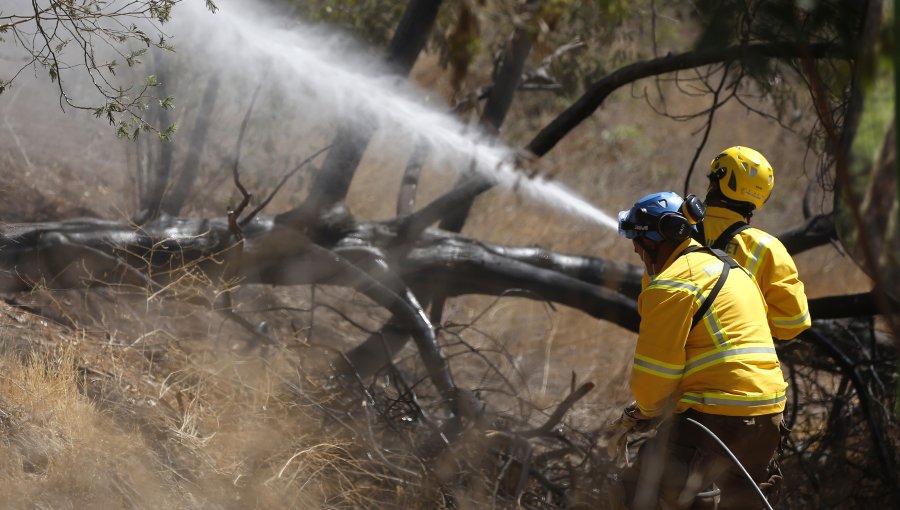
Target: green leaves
(168, 133)
(65, 38)
(134, 57)
(161, 10)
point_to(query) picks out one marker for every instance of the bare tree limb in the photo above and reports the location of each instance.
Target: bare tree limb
(551, 134)
(816, 231)
(151, 200)
(411, 34)
(275, 255)
(706, 130)
(413, 225)
(262, 205)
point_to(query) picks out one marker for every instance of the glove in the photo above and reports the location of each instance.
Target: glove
(626, 423)
(618, 432)
(618, 436)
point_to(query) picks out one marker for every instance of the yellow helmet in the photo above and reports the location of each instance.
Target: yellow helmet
(743, 175)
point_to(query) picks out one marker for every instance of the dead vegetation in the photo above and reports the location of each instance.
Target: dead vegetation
(114, 399)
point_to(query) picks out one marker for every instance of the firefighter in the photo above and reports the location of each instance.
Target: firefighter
(740, 182)
(704, 354)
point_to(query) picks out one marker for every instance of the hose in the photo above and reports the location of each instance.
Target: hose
(734, 459)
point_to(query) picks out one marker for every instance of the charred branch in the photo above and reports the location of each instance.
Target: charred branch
(508, 76)
(412, 226)
(277, 255)
(152, 202)
(560, 411)
(411, 34)
(618, 276)
(332, 183)
(370, 275)
(837, 307)
(816, 231)
(379, 349)
(470, 268)
(80, 253)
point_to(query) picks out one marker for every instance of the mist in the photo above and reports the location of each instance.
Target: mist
(296, 83)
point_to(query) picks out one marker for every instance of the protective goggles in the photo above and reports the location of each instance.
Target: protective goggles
(628, 228)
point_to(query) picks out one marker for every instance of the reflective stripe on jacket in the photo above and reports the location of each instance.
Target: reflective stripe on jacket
(726, 365)
(768, 261)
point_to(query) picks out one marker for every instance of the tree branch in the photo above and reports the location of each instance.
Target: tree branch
(550, 135)
(816, 231)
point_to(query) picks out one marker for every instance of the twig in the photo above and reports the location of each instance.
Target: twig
(252, 214)
(234, 214)
(709, 123)
(560, 411)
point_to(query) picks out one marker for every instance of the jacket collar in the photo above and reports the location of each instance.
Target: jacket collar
(724, 213)
(681, 247)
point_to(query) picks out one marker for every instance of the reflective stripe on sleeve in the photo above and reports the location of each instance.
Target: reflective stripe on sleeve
(791, 322)
(754, 258)
(657, 368)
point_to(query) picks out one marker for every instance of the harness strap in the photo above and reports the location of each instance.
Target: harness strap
(727, 234)
(727, 264)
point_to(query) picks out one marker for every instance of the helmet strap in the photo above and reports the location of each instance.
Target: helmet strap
(652, 250)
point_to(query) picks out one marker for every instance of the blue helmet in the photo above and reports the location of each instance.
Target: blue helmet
(661, 216)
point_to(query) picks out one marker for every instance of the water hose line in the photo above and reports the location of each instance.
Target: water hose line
(734, 459)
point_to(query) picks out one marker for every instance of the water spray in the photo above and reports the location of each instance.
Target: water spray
(340, 78)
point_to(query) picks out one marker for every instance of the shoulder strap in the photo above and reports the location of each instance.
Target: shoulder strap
(727, 264)
(698, 316)
(726, 235)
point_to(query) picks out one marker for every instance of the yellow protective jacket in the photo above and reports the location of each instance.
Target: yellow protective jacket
(768, 261)
(726, 365)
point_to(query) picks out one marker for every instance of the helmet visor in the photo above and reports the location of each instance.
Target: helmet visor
(626, 227)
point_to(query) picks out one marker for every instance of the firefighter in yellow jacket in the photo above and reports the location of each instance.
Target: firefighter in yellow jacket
(741, 180)
(704, 356)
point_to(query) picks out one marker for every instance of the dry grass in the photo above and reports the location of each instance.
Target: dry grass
(60, 450)
(111, 419)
